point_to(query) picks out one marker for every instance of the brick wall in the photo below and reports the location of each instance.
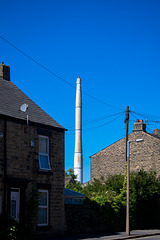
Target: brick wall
(143, 155)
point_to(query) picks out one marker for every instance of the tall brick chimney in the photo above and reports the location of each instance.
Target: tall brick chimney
(4, 72)
(139, 126)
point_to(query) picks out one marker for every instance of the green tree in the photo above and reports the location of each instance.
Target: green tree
(70, 173)
(107, 199)
(73, 184)
(145, 200)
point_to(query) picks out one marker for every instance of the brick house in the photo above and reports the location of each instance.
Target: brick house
(143, 155)
(31, 157)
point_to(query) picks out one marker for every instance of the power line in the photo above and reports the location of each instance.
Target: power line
(102, 125)
(102, 118)
(100, 101)
(57, 76)
(147, 116)
(94, 128)
(93, 120)
(149, 129)
(39, 64)
(133, 114)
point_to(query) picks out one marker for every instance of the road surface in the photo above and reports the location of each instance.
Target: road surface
(148, 238)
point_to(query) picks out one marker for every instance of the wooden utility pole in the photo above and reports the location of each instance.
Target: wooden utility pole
(127, 123)
(128, 167)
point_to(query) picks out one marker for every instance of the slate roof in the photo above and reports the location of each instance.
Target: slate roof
(11, 98)
(71, 193)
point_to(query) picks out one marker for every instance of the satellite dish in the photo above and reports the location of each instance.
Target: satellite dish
(24, 107)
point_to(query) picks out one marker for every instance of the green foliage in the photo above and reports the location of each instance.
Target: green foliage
(73, 184)
(115, 183)
(144, 199)
(144, 185)
(70, 173)
(107, 199)
(94, 189)
(105, 191)
(11, 230)
(119, 201)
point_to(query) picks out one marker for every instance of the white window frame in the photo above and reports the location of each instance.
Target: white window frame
(15, 195)
(77, 200)
(44, 154)
(45, 207)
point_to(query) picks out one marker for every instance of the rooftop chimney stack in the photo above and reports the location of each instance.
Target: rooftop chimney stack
(139, 126)
(156, 132)
(4, 72)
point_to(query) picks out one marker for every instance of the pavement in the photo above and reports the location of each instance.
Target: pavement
(135, 234)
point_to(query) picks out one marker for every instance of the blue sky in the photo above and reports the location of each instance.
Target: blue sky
(114, 45)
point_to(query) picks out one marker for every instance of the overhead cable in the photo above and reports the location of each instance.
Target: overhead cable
(57, 76)
(71, 126)
(147, 116)
(94, 128)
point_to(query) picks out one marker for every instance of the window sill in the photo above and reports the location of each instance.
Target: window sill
(45, 172)
(48, 227)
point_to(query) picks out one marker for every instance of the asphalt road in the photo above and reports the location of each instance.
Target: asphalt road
(135, 234)
(156, 237)
(148, 238)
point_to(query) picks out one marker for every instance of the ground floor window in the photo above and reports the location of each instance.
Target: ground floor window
(15, 204)
(43, 208)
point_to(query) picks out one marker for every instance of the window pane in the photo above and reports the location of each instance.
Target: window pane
(43, 145)
(42, 198)
(44, 163)
(13, 209)
(42, 215)
(68, 200)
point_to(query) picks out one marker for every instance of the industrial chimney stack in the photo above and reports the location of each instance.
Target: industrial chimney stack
(78, 159)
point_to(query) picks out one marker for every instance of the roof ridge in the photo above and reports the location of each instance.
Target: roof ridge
(12, 98)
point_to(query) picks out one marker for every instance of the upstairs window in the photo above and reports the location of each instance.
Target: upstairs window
(44, 153)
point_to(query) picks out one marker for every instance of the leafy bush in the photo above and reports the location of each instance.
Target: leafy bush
(11, 230)
(107, 198)
(144, 200)
(73, 184)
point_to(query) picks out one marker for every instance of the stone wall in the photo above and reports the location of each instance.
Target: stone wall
(22, 167)
(143, 155)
